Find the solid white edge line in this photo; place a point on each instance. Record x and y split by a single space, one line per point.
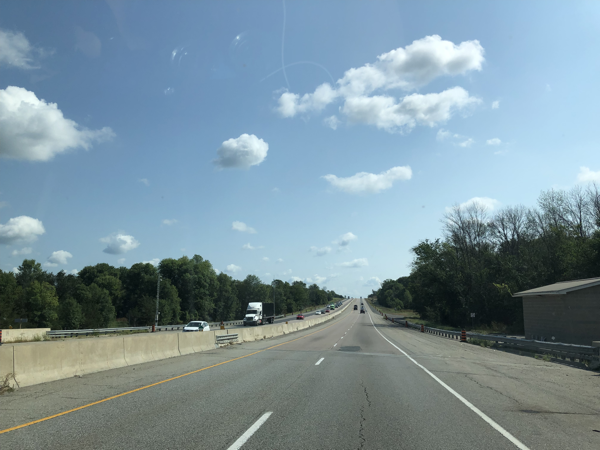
319 361
335 344
472 407
244 437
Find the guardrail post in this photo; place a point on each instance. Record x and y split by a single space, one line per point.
0 337
422 328
153 328
406 323
463 336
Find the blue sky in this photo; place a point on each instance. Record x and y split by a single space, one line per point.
135 131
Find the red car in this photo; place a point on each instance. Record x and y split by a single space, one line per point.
300 317
327 310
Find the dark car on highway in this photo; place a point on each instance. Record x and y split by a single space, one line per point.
362 310
355 307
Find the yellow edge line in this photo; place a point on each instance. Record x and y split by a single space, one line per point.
154 384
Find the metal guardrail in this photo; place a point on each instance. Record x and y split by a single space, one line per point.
92 331
98 331
226 338
574 353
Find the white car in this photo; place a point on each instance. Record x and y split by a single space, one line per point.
318 312
196 326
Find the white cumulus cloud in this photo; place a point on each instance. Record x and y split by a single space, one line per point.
279 260
489 203
466 143
320 251
23 251
74 272
241 226
144 181
34 130
291 104
21 229
493 141
118 243
232 268
386 113
249 246
169 221
266 259
403 68
16 51
155 262
345 239
373 281
364 182
241 153
58 257
332 122
586 175
355 263
496 104
121 261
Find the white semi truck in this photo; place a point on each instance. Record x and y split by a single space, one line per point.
259 313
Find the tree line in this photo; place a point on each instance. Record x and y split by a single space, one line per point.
105 296
483 258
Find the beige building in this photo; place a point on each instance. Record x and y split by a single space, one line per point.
567 312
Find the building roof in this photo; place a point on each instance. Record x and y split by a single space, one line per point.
563 287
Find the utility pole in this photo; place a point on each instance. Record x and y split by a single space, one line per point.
273 286
157 296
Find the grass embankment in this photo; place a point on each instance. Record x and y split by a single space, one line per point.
414 317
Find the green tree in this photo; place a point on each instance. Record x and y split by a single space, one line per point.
41 304
10 297
70 315
98 310
226 301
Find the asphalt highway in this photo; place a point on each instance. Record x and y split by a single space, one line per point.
356 382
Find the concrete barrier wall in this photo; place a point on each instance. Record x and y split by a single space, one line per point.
24 335
6 360
40 362
96 355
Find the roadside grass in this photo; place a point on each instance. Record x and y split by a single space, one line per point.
5 386
414 317
481 342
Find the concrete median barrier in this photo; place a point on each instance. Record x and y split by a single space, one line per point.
186 343
40 362
150 347
23 335
204 341
96 355
6 363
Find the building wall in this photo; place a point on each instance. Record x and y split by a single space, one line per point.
572 318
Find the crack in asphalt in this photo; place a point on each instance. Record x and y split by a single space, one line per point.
493 389
361 429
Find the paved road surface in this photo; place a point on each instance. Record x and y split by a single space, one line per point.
356 382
